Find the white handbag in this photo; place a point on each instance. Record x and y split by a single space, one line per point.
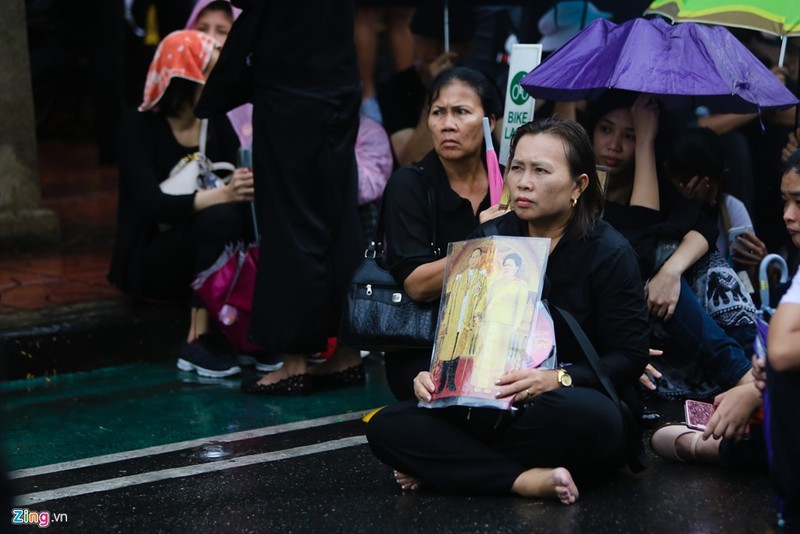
195 171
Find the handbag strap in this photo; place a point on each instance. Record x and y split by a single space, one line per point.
203 136
591 354
636 455
376 246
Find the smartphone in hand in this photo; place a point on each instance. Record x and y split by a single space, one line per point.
736 231
698 414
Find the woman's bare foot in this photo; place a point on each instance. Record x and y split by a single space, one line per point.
407 482
547 483
293 364
341 359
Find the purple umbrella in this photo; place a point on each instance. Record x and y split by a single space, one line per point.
687 64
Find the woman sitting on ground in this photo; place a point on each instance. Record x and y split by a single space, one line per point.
694 163
454 176
783 377
722 441
650 213
561 432
164 240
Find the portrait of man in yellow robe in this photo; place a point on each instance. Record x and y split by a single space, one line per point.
457 330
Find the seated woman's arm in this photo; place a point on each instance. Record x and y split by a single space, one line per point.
664 287
424 284
783 347
408 219
238 189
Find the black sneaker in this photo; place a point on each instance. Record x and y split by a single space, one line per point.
265 362
201 355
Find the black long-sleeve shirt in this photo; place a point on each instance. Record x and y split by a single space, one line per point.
645 228
409 218
148 152
596 278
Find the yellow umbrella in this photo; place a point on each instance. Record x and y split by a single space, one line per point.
778 17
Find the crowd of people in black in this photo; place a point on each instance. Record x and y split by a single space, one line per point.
659 267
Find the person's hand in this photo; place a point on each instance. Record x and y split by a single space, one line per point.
651 372
697 187
748 249
733 409
644 112
240 187
492 212
791 145
423 386
525 384
759 372
662 292
445 61
781 73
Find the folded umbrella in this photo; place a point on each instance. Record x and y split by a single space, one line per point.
760 348
492 165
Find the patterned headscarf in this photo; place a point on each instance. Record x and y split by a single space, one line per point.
181 54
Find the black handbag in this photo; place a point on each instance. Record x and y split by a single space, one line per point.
379 315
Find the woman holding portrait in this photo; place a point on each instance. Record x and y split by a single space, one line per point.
446 190
564 429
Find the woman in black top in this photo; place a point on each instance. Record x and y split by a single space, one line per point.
650 212
453 175
164 240
559 433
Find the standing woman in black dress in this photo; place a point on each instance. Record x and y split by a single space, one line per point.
296 62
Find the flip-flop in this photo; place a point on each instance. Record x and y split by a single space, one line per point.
664 442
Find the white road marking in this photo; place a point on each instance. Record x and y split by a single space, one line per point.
172 447
178 472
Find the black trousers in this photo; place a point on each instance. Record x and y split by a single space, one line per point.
175 257
784 398
307 203
401 369
483 450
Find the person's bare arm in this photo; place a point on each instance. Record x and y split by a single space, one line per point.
239 189
565 110
791 145
664 287
783 346
645 178
412 144
424 284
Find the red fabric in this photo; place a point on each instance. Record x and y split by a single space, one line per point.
181 54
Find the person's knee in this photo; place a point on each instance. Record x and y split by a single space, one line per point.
223 221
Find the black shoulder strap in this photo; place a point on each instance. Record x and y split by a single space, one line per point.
590 352
637 457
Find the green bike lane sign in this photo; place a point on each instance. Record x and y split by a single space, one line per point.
519 104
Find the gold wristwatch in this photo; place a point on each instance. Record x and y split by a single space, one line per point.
564 380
